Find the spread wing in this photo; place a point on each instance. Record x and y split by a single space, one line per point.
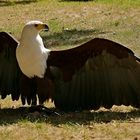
9 70
97 73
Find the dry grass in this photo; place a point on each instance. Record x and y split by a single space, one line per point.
119 123
72 23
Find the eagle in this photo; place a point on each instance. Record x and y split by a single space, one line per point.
98 73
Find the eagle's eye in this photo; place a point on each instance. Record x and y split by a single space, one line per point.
36 25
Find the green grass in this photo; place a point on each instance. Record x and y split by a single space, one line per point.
123 3
72 23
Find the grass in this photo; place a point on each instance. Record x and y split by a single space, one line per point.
72 23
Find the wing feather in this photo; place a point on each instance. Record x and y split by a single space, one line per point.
97 73
9 70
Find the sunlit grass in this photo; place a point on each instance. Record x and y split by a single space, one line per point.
123 3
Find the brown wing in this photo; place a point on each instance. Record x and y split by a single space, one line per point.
9 70
97 73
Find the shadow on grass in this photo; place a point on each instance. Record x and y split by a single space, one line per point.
12 116
71 37
10 3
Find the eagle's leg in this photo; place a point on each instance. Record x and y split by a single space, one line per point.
28 91
44 91
29 88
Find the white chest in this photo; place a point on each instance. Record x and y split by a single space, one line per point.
32 58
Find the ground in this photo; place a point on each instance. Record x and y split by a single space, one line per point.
72 23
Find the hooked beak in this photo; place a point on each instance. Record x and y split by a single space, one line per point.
43 26
46 27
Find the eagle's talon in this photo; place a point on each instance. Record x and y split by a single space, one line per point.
42 109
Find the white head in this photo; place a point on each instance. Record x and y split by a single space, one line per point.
34 27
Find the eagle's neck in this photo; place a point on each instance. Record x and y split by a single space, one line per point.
31 39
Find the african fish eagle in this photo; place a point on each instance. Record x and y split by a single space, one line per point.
97 73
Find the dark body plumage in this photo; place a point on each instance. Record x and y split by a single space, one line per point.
94 74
